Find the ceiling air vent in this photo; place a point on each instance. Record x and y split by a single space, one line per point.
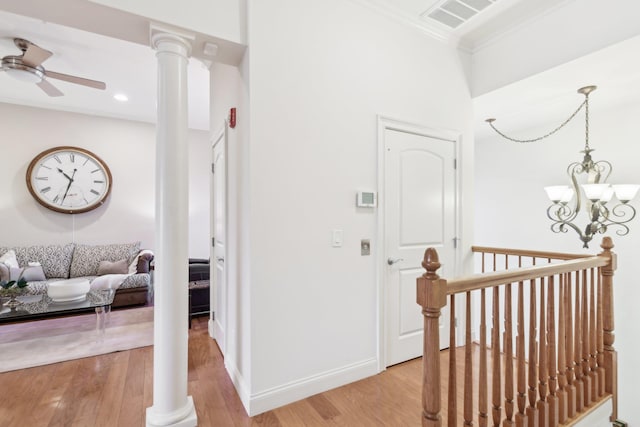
452 13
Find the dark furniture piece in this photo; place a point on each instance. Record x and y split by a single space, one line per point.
198 287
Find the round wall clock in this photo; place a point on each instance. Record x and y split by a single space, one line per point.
69 180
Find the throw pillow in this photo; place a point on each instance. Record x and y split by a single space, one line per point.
30 274
108 267
86 258
9 259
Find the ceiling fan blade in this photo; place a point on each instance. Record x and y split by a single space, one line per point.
48 88
35 55
74 79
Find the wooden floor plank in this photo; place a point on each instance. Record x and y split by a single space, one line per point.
132 409
117 388
45 402
110 402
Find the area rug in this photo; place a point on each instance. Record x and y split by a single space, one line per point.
42 342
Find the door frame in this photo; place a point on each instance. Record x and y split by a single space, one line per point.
389 123
220 137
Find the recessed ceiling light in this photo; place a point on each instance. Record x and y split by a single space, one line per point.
121 97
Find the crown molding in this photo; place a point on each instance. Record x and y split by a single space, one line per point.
525 18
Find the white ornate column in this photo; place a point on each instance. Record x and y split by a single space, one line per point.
171 404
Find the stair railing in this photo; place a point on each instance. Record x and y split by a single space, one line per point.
550 365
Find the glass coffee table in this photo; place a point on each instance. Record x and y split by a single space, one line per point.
42 306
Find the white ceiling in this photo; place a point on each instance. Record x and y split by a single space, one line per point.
131 68
125 67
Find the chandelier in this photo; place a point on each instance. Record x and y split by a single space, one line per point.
567 200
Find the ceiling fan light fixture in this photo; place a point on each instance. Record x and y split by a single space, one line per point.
24 76
28 68
15 68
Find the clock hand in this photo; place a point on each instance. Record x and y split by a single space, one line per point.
65 175
68 185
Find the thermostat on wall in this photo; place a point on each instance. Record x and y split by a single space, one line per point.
366 199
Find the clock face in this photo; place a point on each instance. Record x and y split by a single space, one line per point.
68 180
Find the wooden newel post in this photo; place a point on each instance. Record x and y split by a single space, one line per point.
610 354
432 296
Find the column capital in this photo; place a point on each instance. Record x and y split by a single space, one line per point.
167 39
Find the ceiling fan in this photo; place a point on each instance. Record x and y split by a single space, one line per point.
27 67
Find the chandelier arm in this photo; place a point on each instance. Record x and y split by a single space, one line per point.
624 231
562 213
619 211
573 170
563 124
604 220
562 216
561 227
603 166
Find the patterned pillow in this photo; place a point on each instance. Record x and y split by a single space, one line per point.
55 259
86 258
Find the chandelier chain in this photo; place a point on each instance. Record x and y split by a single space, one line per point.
585 103
586 123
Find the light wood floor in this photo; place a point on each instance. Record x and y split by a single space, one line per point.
115 390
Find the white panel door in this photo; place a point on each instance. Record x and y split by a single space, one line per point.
218 283
419 212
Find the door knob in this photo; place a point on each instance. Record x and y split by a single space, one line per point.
392 261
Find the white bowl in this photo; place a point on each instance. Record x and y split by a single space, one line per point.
68 290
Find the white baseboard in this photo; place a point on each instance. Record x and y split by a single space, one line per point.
238 382
210 328
218 335
305 387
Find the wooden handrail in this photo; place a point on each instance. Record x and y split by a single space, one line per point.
527 253
495 278
569 363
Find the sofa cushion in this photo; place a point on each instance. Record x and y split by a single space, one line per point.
116 267
139 280
54 259
86 258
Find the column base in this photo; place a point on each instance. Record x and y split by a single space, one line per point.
189 419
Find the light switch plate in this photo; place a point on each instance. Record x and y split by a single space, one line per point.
336 238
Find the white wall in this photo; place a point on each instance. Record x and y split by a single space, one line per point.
229 89
127 147
511 211
569 31
320 72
